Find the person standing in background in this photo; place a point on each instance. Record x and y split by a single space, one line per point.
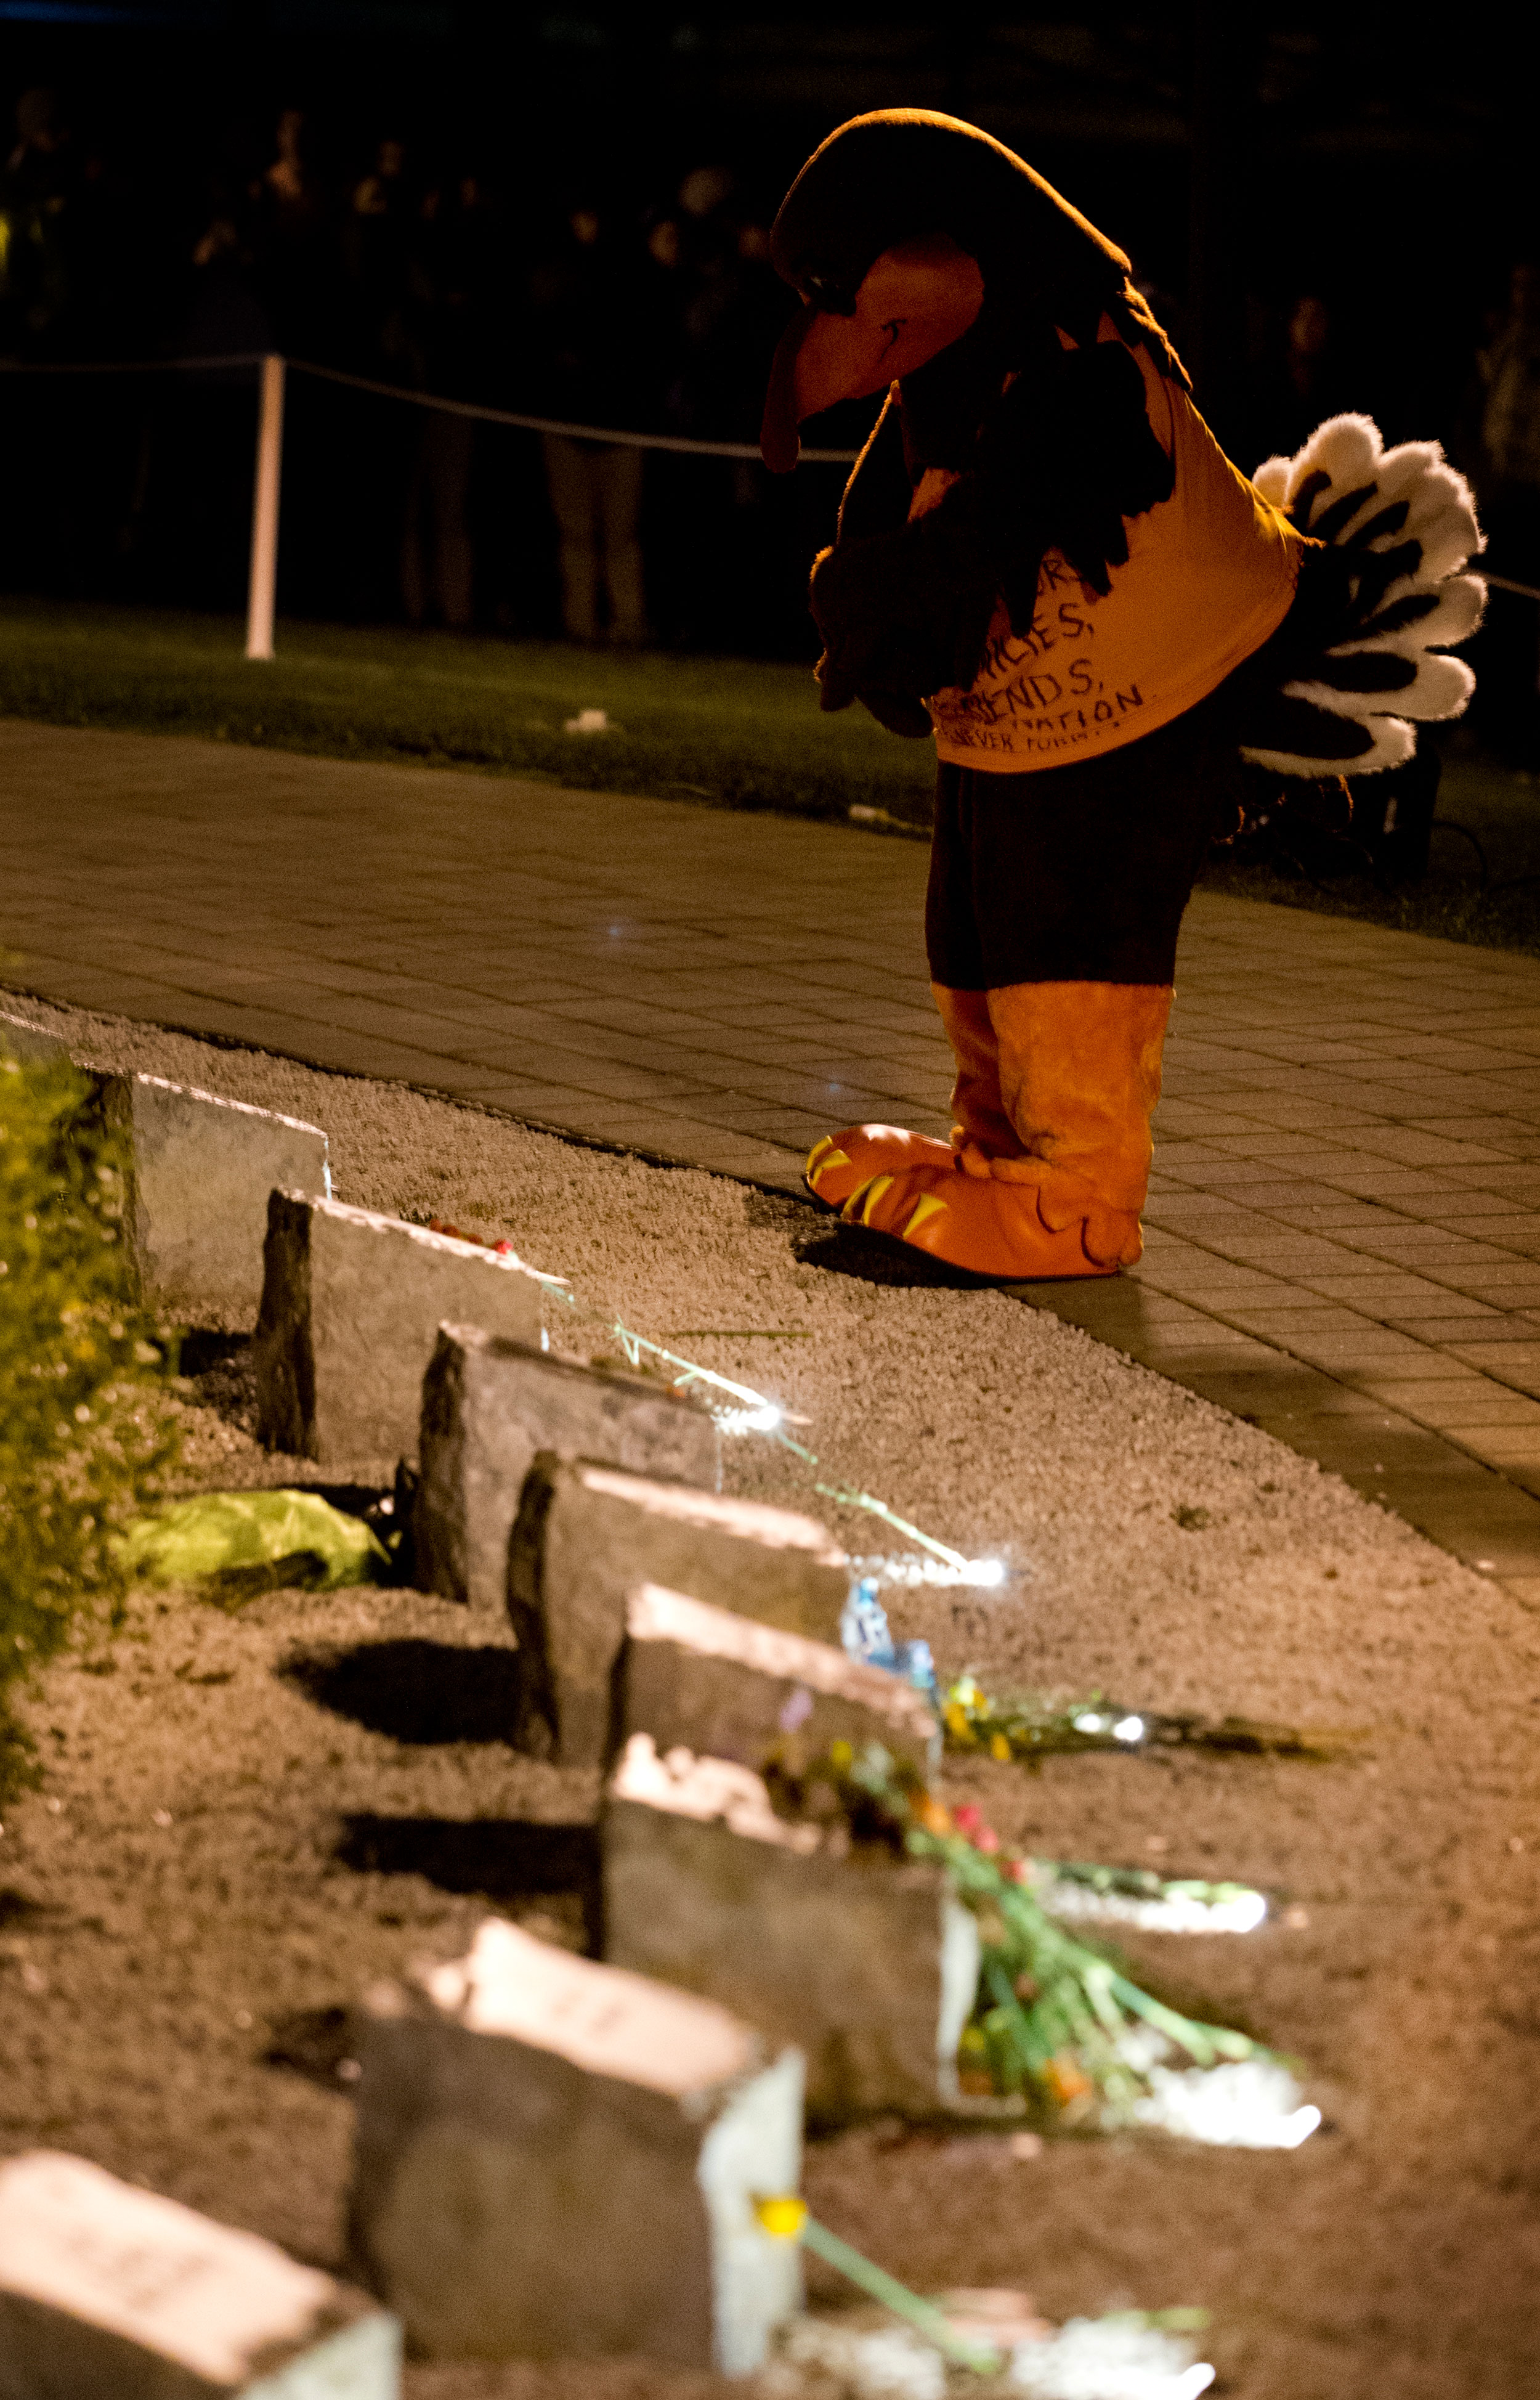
1505 470
289 233
450 281
379 233
1299 385
49 423
40 208
586 307
377 239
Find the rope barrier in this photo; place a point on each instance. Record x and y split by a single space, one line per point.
616 436
128 366
611 434
1503 583
275 368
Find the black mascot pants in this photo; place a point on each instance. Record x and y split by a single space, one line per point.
1075 873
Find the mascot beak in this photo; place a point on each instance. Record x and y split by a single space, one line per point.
914 301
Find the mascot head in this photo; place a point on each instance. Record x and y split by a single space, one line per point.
907 231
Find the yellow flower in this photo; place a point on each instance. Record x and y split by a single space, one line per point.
782 2215
1066 2079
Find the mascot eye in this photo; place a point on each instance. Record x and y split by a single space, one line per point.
892 329
827 292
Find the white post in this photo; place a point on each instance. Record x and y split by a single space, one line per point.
269 472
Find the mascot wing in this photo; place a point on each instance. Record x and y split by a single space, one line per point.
1363 647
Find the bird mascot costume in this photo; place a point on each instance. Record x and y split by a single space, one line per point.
1044 559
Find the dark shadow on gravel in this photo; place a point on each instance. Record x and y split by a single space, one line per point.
412 1690
222 1370
353 1499
204 1351
506 1862
785 1210
19 1908
881 1259
498 1859
314 2043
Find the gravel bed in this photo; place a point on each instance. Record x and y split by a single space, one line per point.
244 1817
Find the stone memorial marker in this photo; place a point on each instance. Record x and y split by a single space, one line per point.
586 1536
554 2157
708 1680
31 1044
199 1172
351 1305
111 2292
489 1405
867 1961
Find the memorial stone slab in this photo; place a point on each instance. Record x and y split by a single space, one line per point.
554 2157
867 1960
199 1172
489 1405
351 1305
702 1677
586 1536
111 2292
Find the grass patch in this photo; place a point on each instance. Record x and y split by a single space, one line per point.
735 733
1483 879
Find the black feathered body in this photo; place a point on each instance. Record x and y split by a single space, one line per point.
1055 456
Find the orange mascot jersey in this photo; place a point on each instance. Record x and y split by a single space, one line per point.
1211 573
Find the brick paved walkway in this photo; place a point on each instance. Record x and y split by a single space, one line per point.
1343 1233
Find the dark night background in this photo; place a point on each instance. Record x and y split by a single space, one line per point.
1375 162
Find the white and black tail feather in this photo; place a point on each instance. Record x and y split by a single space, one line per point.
1363 648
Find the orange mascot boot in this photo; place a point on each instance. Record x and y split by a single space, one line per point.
846 1163
1049 1162
843 1163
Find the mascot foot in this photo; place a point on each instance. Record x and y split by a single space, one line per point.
991 1227
843 1163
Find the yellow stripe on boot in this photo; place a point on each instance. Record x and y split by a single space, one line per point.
924 1208
843 1164
858 1207
826 1157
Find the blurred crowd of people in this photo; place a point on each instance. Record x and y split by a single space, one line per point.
620 299
587 303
